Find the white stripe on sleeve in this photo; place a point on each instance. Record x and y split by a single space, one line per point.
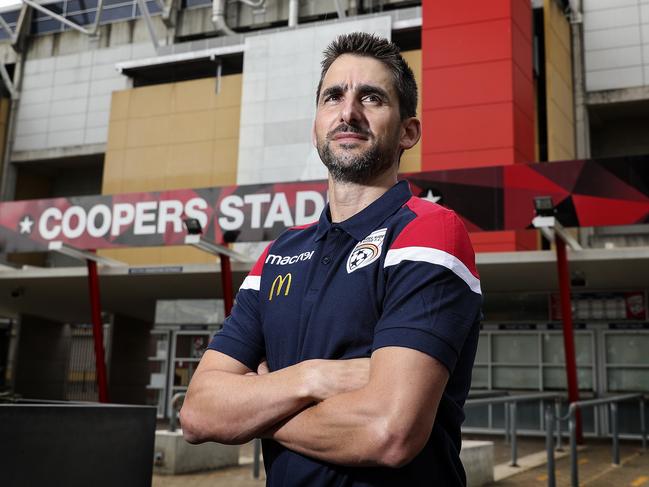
251 282
434 256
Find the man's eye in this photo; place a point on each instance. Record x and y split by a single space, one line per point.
372 98
332 98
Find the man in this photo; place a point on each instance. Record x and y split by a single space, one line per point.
383 275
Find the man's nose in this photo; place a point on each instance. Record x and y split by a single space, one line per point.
351 111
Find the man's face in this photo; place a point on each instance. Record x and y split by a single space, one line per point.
357 125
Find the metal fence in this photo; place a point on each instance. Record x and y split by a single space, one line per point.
612 402
511 418
552 426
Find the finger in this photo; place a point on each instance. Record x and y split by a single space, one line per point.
263 368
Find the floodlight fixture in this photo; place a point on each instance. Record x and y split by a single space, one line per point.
546 221
543 206
193 226
195 238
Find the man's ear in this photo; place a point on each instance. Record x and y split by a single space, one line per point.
410 133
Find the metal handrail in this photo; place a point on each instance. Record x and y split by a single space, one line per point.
511 407
513 399
173 420
612 402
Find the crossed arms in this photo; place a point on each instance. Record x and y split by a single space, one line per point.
360 412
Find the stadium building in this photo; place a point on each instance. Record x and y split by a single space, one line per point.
119 119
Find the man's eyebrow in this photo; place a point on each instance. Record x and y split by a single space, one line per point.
333 90
366 89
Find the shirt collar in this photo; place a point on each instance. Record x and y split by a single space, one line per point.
363 223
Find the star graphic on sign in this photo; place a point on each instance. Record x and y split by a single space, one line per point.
26 225
430 196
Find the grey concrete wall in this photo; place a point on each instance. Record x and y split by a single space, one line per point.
42 358
616 43
280 75
65 100
129 366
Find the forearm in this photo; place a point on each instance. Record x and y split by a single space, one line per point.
387 422
233 408
347 429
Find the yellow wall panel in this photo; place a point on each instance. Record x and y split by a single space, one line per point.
144 169
189 165
172 136
411 159
224 168
149 101
148 131
134 255
117 135
170 255
113 171
229 94
119 105
558 81
226 124
195 95
192 126
180 254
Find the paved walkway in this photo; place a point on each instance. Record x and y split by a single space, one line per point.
595 468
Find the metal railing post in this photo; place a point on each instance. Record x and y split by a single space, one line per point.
557 414
616 440
255 459
549 446
643 424
572 426
507 422
173 420
512 420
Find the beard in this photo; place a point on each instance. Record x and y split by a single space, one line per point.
347 167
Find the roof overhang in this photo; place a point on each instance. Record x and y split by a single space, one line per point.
131 67
603 269
62 293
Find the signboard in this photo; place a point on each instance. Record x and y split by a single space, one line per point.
602 306
585 193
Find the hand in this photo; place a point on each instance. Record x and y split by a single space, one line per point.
328 378
262 368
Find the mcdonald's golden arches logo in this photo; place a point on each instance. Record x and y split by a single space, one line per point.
279 281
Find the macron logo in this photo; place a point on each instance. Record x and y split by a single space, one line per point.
279 260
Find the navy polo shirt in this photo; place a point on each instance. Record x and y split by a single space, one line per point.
399 273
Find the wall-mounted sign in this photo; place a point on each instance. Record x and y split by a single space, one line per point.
585 193
603 306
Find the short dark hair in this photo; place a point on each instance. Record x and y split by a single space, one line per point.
379 48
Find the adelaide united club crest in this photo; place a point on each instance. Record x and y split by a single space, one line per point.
366 251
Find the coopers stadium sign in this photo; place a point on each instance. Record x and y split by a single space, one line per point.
157 217
585 193
245 213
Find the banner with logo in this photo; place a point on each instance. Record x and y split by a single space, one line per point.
585 193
